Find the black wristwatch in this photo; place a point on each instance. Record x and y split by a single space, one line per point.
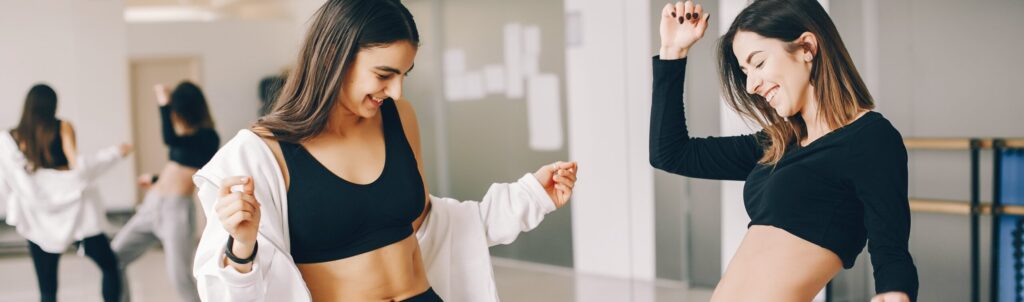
235 259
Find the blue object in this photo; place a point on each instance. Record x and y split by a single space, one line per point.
1011 228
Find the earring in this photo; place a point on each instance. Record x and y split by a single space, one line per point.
808 58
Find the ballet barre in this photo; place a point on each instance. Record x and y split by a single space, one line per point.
973 208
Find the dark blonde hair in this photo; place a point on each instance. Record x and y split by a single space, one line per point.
840 92
339 29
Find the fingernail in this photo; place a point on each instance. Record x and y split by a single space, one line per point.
681 19
673 14
687 16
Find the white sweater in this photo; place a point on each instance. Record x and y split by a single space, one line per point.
53 208
454 238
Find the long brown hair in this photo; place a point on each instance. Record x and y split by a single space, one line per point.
339 29
838 87
38 127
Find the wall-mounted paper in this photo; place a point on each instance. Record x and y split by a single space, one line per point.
531 40
454 61
454 68
531 50
544 114
473 85
453 88
494 79
514 75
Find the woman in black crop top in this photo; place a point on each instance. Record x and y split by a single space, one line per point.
349 148
167 213
825 175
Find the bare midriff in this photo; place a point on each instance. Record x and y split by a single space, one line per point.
391 273
175 180
773 265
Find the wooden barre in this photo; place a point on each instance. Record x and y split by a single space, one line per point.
957 143
959 207
1014 143
940 206
937 143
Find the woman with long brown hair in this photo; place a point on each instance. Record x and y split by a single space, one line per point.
824 175
167 213
329 203
49 195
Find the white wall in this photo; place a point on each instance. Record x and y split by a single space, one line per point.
77 47
83 50
608 88
233 56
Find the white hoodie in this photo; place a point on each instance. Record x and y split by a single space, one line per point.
454 238
53 208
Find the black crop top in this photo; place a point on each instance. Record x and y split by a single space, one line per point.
330 218
60 160
193 150
845 188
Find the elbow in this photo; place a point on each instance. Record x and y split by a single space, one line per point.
658 160
655 162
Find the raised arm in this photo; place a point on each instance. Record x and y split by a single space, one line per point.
671 147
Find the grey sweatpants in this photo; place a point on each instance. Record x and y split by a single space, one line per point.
169 220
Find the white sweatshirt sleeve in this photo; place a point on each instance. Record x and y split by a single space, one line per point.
5 189
96 164
274 276
217 282
513 208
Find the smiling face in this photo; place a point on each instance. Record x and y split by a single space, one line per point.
777 70
376 74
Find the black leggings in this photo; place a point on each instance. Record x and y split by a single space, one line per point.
96 247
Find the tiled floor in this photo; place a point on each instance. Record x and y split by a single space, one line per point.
517 281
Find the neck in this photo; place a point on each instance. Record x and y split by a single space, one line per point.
344 122
816 127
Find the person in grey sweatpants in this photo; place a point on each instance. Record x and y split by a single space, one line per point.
169 220
167 213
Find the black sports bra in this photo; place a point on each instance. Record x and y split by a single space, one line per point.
330 218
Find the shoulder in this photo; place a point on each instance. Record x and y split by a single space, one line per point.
410 123
246 148
405 111
65 126
876 139
876 129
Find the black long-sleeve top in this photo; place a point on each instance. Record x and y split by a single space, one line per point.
845 188
193 150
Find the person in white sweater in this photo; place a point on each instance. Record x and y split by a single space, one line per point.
49 196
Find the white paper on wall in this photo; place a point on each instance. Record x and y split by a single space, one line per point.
531 50
494 79
473 85
454 68
454 61
544 113
514 75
